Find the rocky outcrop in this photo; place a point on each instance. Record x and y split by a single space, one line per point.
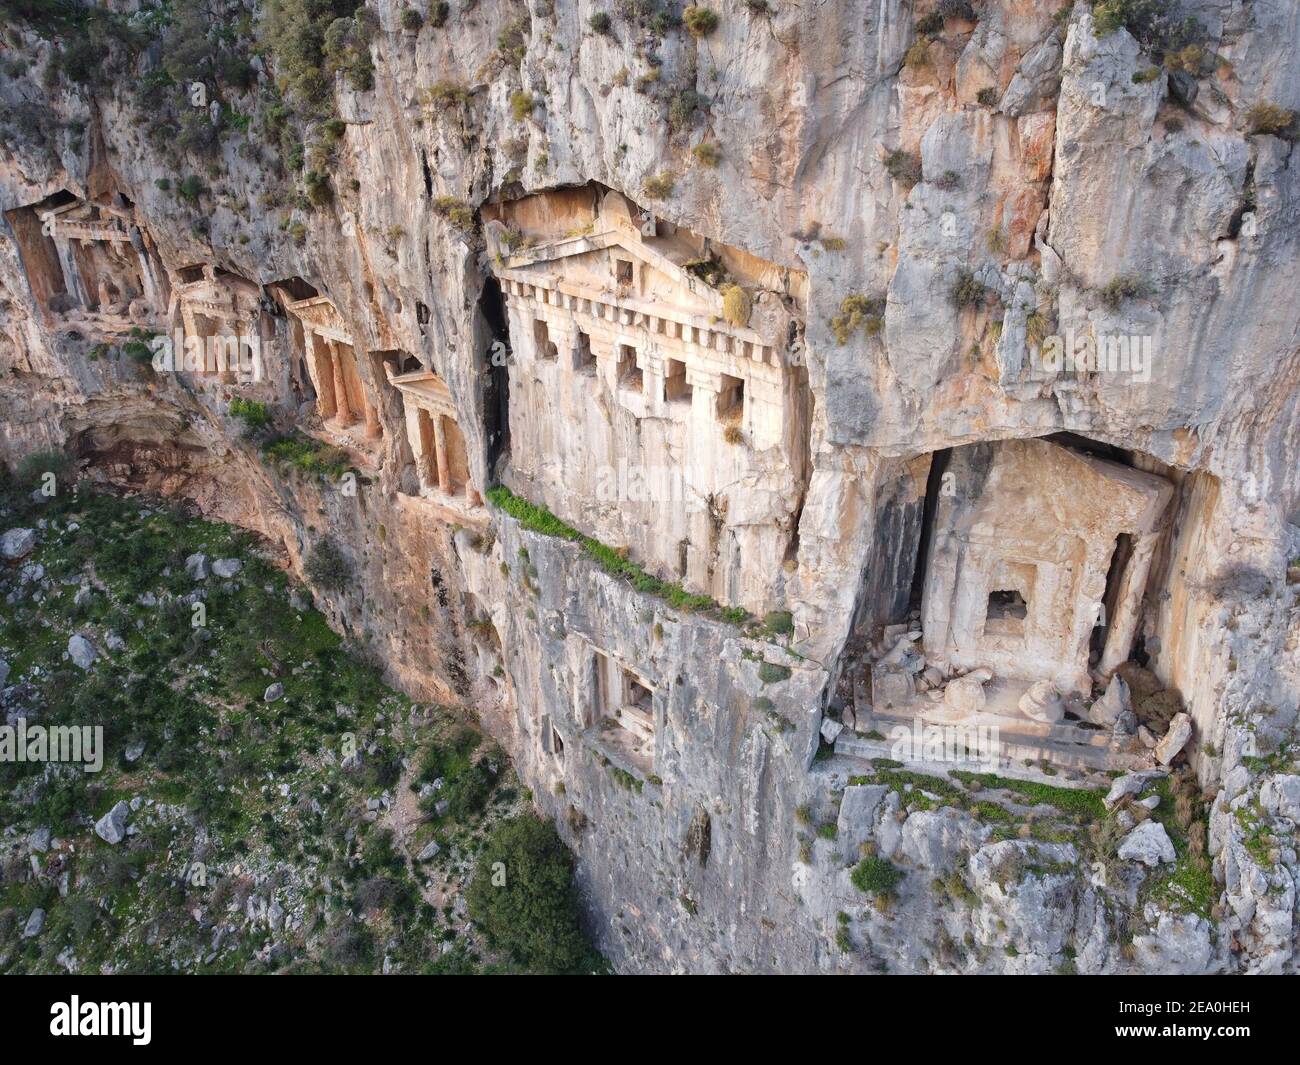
952 216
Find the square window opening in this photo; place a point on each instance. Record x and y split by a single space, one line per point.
676 387
731 400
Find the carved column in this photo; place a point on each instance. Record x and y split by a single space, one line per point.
373 429
1128 607
342 403
440 451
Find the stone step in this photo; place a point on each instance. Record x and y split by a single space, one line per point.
1018 754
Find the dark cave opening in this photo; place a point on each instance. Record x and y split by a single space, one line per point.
496 397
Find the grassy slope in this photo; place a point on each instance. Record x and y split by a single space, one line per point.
255 792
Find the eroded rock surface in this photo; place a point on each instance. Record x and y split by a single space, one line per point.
825 331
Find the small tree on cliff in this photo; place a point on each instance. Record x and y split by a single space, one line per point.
523 898
327 567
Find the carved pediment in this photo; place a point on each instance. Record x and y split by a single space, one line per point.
424 389
322 317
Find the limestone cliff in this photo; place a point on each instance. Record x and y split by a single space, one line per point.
803 269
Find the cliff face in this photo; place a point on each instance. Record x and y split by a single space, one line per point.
931 216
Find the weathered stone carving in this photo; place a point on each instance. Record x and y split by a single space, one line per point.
90 261
341 399
638 410
1035 548
441 460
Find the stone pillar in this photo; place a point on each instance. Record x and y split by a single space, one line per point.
320 366
440 450
1128 607
373 429
342 404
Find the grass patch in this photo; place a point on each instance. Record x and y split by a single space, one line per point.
540 520
1073 800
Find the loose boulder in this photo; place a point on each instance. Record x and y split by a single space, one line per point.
17 543
111 828
965 695
1180 731
1149 844
82 652
225 568
1042 703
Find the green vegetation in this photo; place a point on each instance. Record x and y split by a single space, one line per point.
876 876
252 815
1269 118
255 416
659 186
327 567
137 348
772 672
310 40
778 623
523 897
699 21
903 167
300 452
683 107
457 212
411 20
522 104
707 153
1126 287
737 306
190 189
967 290
541 520
858 312
1085 801
600 23
987 97
446 93
34 466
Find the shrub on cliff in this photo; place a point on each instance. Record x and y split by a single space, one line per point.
659 186
707 153
524 899
875 876
255 416
1269 118
32 468
1115 293
1157 25
903 167
522 104
700 21
967 290
308 40
327 567
737 306
858 312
